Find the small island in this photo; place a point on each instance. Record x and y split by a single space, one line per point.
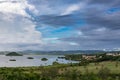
13 54
61 57
12 60
30 58
44 59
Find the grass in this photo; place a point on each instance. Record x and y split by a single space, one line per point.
90 68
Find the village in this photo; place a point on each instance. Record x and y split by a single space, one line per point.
93 57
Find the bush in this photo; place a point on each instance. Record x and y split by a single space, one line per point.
104 73
72 74
55 63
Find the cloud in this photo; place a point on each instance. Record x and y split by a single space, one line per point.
29 24
56 7
15 27
58 21
91 19
15 7
101 29
110 21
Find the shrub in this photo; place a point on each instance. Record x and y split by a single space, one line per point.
104 73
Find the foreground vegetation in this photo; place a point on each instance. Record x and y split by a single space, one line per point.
108 70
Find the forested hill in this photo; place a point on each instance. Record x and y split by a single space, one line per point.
68 52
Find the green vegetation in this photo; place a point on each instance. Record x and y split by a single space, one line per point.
76 57
101 71
44 59
13 54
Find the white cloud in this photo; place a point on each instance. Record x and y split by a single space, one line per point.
21 31
72 8
101 29
17 7
15 28
73 43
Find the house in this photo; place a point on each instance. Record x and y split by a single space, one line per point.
113 54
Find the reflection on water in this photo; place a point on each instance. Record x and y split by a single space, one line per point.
22 61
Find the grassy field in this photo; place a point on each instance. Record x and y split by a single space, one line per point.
92 67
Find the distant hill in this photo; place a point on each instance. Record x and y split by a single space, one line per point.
64 52
13 54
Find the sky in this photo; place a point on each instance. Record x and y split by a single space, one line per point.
59 25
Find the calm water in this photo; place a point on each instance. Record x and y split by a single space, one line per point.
22 61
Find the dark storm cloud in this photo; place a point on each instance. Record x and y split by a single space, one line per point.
101 1
103 13
111 21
